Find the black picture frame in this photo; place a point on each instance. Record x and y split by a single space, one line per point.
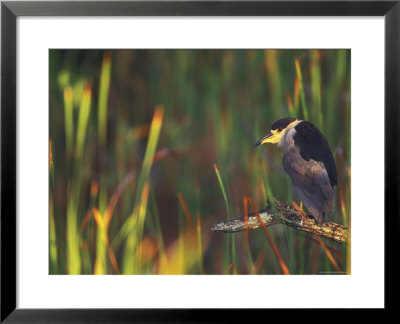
10 10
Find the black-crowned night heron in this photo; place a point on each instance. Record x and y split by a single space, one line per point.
308 161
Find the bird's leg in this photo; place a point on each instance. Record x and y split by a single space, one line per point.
300 210
304 214
322 219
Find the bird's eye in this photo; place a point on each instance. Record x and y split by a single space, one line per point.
279 130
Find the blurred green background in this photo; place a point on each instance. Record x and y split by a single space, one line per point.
149 148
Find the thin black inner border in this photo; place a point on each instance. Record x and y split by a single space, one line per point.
11 10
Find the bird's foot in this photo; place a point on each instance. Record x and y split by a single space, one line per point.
320 219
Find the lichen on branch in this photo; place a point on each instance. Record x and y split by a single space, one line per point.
283 213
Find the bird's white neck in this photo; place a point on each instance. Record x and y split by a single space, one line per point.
287 141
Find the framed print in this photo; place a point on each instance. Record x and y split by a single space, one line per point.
188 155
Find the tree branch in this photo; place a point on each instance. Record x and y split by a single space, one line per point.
283 213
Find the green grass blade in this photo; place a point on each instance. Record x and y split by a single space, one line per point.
84 112
221 185
100 266
302 94
315 67
228 210
68 120
140 205
103 98
200 246
273 76
53 249
73 238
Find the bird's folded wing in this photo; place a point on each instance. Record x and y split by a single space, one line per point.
321 179
308 175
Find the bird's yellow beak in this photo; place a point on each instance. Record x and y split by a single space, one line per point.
273 137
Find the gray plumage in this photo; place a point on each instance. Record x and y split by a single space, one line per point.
308 161
306 152
311 182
